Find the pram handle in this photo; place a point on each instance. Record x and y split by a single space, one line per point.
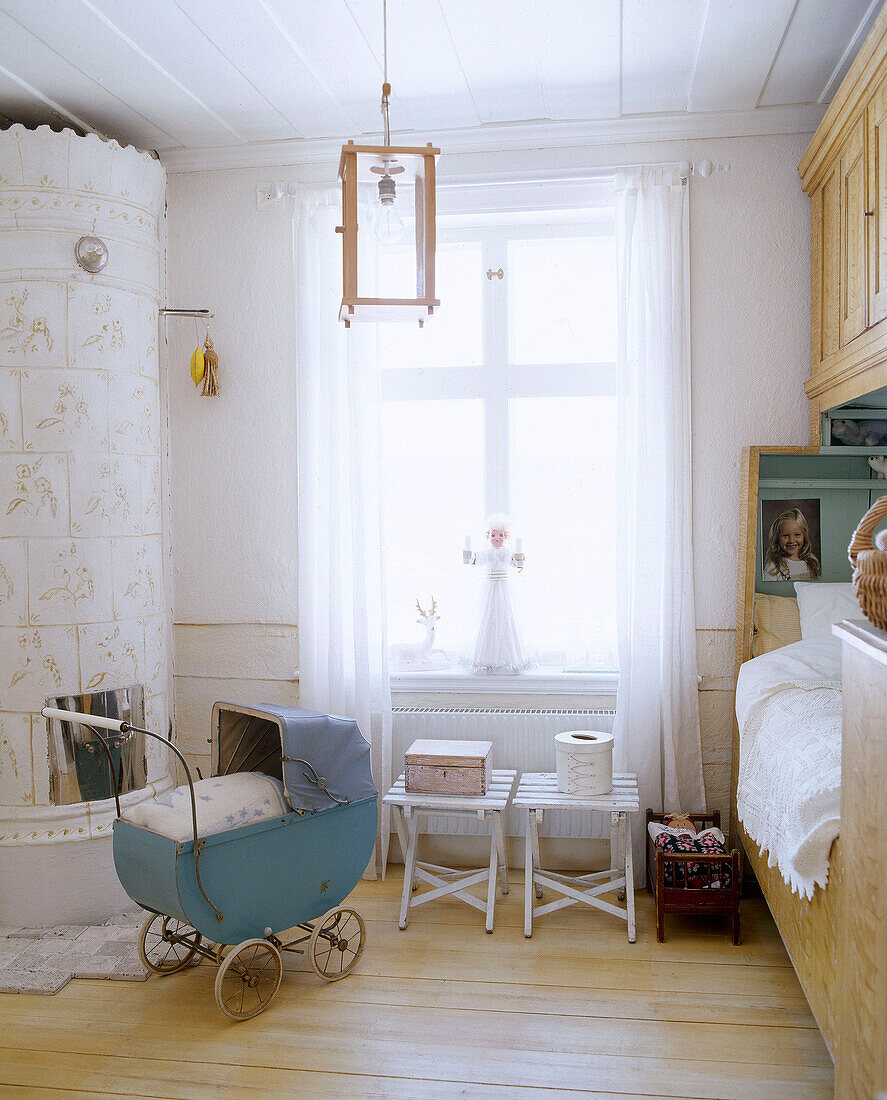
118 726
81 719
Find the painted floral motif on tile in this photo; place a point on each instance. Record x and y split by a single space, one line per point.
13 582
16 787
99 321
65 410
112 655
107 332
44 157
156 654
151 499
134 405
24 331
157 720
89 166
33 494
32 324
11 158
105 495
10 410
137 576
70 581
40 759
40 662
148 336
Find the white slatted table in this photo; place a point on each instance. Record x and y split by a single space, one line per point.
409 807
537 793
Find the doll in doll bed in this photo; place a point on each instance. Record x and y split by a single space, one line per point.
788 709
679 834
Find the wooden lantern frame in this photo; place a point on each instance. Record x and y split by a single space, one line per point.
358 307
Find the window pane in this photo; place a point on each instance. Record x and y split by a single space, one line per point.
452 337
433 495
562 300
564 507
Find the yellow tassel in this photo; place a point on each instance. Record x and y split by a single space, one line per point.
197 367
211 378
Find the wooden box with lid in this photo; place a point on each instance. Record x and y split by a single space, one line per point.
448 767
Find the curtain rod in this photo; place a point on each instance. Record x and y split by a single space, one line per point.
703 168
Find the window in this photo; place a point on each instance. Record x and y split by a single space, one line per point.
506 402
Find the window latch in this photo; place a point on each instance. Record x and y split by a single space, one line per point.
491 274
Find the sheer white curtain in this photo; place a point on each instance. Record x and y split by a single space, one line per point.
343 644
657 709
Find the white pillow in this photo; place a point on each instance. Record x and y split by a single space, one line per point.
820 604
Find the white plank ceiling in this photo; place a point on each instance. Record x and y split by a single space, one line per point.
188 74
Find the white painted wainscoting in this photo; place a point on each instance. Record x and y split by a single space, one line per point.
523 738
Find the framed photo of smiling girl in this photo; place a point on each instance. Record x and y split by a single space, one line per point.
792 542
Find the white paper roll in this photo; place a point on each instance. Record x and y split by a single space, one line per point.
584 762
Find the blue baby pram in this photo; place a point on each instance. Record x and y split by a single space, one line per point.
229 894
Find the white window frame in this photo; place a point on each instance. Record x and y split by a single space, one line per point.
495 382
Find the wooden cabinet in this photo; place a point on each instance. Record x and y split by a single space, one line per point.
853 265
844 170
876 208
825 215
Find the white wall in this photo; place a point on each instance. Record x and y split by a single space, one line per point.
233 459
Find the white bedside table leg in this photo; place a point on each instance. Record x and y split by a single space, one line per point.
494 873
629 879
409 870
537 858
503 852
528 876
618 820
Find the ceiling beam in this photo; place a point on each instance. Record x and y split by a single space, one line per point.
539 135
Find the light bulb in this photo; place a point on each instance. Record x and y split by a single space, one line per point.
388 224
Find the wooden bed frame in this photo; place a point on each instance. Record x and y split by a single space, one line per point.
814 931
808 928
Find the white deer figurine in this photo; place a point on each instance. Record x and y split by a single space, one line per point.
409 656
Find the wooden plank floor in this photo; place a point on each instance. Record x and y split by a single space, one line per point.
443 1010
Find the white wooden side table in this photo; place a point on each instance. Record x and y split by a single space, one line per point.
410 806
537 793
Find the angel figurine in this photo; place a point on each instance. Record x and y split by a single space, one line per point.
499 649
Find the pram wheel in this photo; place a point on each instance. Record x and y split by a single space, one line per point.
167 944
248 979
336 943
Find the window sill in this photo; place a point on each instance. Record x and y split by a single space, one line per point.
548 681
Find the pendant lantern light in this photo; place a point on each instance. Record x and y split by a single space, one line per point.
388 196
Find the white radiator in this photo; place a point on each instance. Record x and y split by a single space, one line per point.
522 739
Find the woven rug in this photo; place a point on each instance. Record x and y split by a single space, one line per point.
44 960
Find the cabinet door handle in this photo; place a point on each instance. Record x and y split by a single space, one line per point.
869 213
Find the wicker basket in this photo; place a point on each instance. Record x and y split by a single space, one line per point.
869 563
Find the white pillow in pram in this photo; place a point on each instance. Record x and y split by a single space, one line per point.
223 802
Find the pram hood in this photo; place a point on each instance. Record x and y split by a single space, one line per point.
338 753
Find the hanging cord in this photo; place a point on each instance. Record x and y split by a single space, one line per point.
386 87
385 40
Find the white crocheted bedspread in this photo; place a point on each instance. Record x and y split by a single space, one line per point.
224 802
788 704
